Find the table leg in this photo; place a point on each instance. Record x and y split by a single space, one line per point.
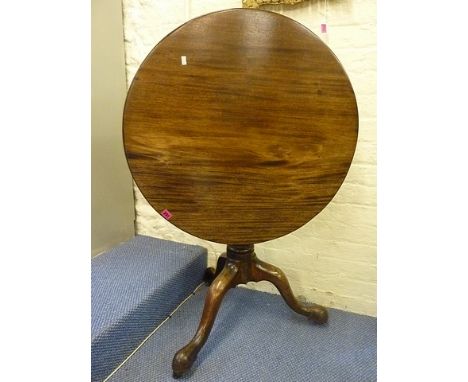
212 273
264 271
186 356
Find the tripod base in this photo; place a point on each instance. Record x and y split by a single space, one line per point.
238 266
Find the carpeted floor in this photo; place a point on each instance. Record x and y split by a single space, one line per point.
256 337
134 287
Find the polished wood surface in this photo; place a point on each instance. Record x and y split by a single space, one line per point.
251 138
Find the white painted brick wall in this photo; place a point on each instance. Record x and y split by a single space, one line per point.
332 259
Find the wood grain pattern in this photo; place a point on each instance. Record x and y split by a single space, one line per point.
252 138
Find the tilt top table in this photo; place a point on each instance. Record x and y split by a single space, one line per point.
240 127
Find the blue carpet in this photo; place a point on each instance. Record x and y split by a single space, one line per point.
256 337
134 287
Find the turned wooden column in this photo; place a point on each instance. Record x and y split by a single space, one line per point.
240 127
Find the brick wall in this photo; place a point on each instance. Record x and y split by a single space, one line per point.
332 259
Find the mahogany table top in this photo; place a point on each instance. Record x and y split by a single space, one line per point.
240 126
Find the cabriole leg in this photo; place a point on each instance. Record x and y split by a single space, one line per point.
186 356
264 271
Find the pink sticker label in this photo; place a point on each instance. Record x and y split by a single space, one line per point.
166 214
323 28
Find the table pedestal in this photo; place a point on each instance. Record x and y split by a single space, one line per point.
238 266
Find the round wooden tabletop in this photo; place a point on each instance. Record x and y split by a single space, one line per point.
240 126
